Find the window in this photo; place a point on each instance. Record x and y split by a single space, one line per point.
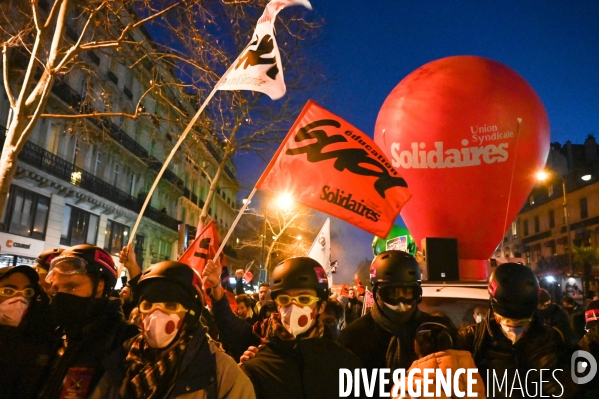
115 174
26 213
550 190
115 236
551 219
51 143
76 151
584 211
514 229
531 199
98 164
78 227
132 182
552 248
525 228
536 221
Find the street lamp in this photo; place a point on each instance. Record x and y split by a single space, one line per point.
542 176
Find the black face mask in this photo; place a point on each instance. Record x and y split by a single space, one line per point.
71 311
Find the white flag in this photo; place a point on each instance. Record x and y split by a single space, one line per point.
258 67
320 250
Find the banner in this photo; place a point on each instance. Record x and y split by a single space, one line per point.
259 67
204 247
320 250
327 164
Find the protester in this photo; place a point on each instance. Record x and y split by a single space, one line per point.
297 361
128 302
264 292
512 339
240 285
173 357
81 278
575 315
552 315
590 343
261 325
333 319
479 313
42 265
244 309
437 346
354 306
28 341
384 338
235 334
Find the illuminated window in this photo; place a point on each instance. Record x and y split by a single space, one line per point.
26 213
78 227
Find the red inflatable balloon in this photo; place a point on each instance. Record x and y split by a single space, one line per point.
248 277
468 134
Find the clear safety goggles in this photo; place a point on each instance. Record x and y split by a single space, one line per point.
66 265
166 307
304 300
8 292
506 321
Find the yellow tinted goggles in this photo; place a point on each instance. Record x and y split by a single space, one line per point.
304 300
8 292
166 307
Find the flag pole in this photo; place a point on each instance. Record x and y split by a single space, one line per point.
241 212
170 157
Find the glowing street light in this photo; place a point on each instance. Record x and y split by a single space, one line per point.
586 177
284 201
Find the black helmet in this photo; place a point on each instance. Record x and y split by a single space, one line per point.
514 291
44 259
395 267
183 278
299 272
98 263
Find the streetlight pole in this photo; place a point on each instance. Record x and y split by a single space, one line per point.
567 220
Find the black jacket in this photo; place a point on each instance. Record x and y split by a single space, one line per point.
541 347
369 342
554 316
82 358
26 351
302 369
235 334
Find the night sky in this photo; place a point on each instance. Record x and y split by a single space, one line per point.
367 47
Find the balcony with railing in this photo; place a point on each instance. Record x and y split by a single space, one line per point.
38 157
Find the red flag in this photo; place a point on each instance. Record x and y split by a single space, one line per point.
327 164
204 247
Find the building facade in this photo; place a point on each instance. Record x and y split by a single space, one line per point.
85 180
539 235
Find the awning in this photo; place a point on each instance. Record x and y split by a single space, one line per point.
562 240
549 243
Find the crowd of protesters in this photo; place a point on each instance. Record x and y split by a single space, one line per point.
65 333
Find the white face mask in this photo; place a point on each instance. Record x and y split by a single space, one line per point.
297 319
160 328
512 329
12 311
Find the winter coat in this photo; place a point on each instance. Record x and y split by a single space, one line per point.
236 334
590 343
301 369
26 351
205 372
541 347
80 366
369 341
554 316
449 359
353 310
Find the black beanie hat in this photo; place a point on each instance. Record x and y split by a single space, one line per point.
167 291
